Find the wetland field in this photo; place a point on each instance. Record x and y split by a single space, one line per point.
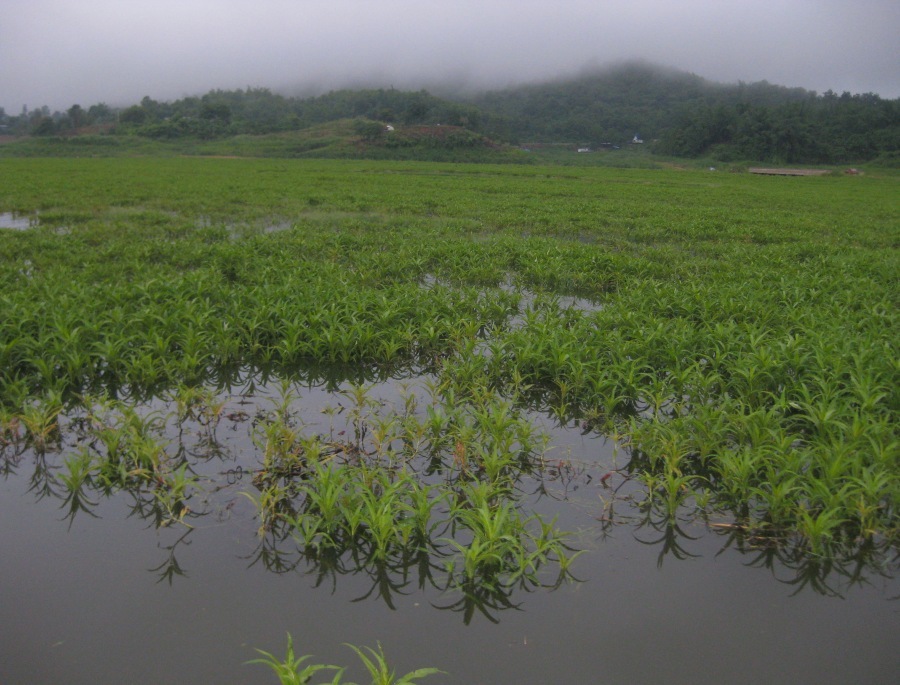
519 424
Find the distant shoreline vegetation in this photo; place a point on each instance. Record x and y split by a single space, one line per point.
678 114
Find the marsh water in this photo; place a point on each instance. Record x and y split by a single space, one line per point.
102 594
18 222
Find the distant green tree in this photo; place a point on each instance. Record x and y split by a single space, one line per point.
133 115
417 108
43 126
77 116
217 112
151 107
368 130
100 113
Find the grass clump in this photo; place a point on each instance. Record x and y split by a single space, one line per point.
291 671
434 493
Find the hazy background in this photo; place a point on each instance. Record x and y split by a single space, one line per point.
62 52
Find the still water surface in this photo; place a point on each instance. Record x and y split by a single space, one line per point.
16 221
88 600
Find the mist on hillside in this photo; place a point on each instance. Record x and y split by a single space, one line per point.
58 53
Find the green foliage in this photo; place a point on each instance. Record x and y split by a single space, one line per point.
824 129
377 666
367 129
289 669
677 113
363 496
257 110
737 334
692 117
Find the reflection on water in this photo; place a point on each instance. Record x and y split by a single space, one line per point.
18 222
215 439
208 541
834 576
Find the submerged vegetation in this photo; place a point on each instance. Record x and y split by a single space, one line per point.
740 338
367 355
402 491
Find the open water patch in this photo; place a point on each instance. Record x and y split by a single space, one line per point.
239 230
527 299
206 585
18 222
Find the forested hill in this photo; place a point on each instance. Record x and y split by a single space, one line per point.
686 115
609 105
674 112
258 110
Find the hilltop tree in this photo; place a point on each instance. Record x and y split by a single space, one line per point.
100 113
368 130
133 115
77 116
216 112
42 126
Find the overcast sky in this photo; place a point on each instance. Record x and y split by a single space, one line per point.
61 52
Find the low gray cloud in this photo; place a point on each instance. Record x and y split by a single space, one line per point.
58 52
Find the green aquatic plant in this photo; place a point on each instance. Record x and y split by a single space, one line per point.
369 502
273 505
291 670
75 478
500 546
736 314
376 664
172 492
124 450
41 422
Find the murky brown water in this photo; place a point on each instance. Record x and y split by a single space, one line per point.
108 598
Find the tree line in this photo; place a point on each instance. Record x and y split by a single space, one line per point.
684 115
677 113
819 129
250 111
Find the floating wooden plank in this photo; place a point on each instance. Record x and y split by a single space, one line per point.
789 172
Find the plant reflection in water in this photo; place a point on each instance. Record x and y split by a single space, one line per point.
427 492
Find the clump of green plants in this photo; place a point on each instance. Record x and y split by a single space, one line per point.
433 490
291 670
121 449
739 337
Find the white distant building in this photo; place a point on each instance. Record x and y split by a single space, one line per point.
388 128
584 149
637 140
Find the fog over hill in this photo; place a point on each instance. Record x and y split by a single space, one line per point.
57 53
